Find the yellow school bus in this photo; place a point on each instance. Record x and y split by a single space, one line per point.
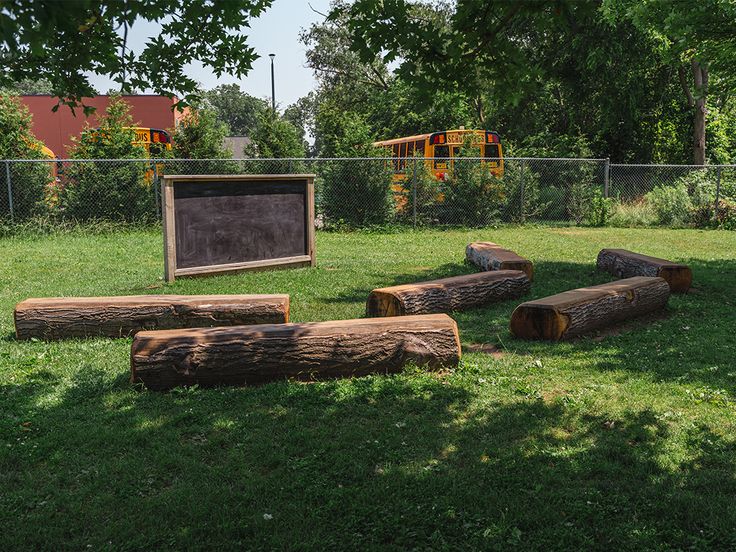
440 149
154 140
444 146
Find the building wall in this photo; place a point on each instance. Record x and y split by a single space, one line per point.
56 130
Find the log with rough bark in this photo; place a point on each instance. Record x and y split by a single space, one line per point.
448 294
579 311
625 264
491 256
245 355
65 317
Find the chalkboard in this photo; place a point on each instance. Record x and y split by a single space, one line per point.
228 223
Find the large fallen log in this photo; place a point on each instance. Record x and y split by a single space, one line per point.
244 355
448 294
583 310
491 256
64 317
625 264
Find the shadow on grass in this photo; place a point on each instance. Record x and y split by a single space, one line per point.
380 462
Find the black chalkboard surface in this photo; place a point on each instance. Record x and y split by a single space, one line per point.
228 223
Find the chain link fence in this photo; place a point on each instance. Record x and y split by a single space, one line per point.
379 191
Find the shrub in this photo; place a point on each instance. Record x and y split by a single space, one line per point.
632 215
356 194
275 138
473 196
29 180
111 190
600 209
420 188
671 204
522 198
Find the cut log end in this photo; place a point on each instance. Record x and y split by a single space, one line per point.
538 323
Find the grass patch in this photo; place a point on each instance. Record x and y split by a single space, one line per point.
623 440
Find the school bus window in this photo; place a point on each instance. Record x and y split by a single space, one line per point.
442 152
491 151
410 149
419 147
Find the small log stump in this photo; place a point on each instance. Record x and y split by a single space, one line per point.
245 355
579 311
625 264
448 294
65 317
491 256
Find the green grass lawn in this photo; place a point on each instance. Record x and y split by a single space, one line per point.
625 440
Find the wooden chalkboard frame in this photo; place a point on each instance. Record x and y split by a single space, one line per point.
168 208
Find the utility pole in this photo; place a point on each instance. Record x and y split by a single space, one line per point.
273 86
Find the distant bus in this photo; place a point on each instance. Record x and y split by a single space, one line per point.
444 146
154 140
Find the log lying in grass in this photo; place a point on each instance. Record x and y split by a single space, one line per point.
490 256
625 264
582 310
64 317
243 355
448 294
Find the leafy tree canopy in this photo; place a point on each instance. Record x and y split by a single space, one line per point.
239 110
64 42
274 137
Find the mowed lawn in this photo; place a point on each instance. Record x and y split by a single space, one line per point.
622 440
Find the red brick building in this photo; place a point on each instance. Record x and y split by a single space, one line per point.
56 130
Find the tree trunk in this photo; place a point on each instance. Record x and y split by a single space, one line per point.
625 264
59 318
579 311
244 355
700 75
490 256
448 294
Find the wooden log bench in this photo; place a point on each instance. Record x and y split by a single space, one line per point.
245 355
448 294
66 317
491 256
579 311
625 264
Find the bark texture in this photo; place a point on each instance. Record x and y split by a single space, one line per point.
490 256
65 317
625 264
448 294
244 355
579 311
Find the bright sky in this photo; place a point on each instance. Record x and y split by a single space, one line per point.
277 32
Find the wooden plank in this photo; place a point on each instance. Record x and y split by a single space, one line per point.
491 256
167 199
625 264
290 262
448 294
65 317
579 311
245 355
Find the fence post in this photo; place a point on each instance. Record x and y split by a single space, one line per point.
10 189
606 175
156 190
414 192
718 194
522 217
